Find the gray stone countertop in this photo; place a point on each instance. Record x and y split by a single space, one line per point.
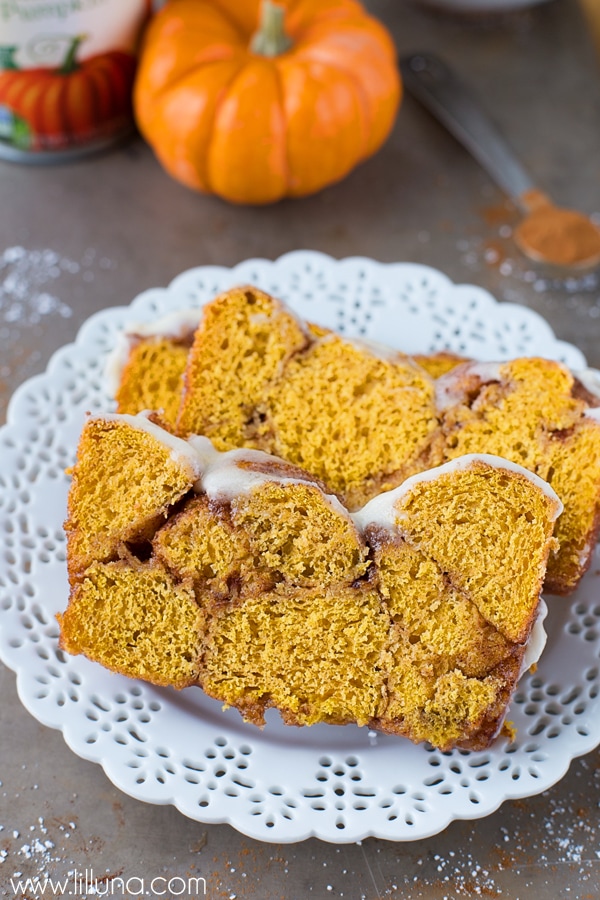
114 225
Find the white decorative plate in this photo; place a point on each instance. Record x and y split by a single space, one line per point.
279 784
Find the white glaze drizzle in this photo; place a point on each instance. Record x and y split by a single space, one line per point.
590 379
177 325
379 351
115 363
449 389
224 479
218 474
381 511
537 639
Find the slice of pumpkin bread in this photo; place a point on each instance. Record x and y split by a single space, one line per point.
459 556
241 346
129 473
574 474
359 417
528 411
135 618
146 368
413 615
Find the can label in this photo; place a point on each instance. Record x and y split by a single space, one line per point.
66 70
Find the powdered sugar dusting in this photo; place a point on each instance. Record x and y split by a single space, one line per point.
27 276
33 286
31 853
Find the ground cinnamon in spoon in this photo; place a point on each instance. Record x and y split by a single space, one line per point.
562 237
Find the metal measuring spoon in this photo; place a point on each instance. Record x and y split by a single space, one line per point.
573 236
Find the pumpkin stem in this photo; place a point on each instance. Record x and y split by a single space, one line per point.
271 39
7 59
70 63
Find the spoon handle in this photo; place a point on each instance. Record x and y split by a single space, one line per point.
443 94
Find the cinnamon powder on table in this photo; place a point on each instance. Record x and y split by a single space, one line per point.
562 237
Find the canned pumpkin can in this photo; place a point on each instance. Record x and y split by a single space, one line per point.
66 75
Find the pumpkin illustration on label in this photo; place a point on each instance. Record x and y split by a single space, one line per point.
78 101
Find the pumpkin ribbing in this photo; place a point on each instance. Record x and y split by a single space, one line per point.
226 119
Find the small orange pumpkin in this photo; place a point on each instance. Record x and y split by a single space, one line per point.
256 111
76 102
